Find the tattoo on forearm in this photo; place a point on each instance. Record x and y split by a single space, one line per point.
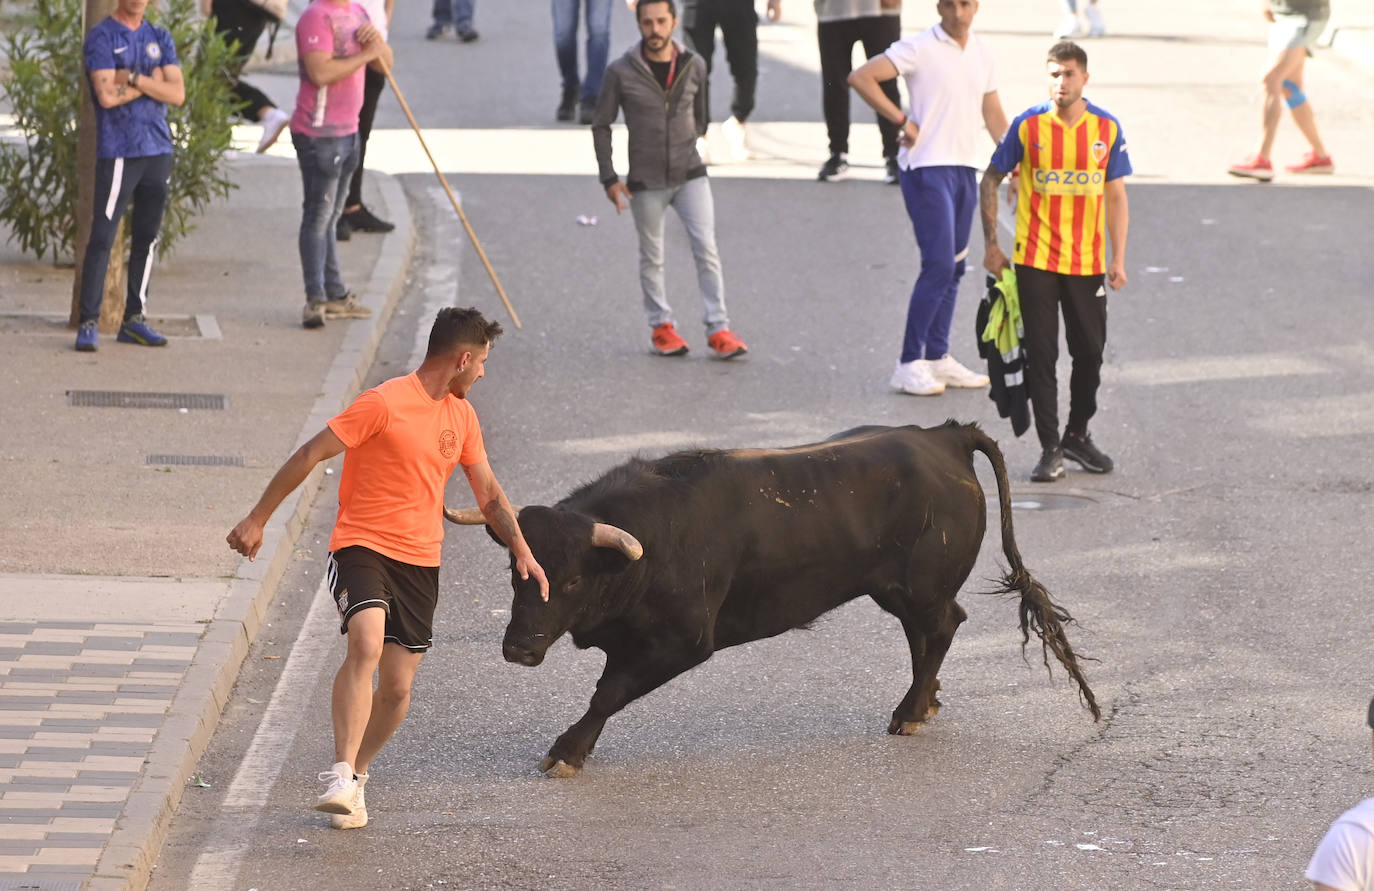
121 91
987 204
501 521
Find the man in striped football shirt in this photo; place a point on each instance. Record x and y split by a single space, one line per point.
1071 201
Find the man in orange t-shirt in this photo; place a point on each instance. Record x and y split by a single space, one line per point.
402 440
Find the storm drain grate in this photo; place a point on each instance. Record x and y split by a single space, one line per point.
40 884
122 399
195 460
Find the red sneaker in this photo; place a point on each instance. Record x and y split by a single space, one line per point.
667 342
1253 167
726 344
1312 163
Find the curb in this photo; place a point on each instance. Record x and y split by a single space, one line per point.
132 851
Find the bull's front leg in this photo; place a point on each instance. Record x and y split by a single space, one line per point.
627 677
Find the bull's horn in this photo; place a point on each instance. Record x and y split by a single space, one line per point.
605 535
470 516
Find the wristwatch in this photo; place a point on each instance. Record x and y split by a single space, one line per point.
133 78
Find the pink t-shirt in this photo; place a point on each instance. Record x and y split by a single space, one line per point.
330 26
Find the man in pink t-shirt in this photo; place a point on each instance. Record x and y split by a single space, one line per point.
334 40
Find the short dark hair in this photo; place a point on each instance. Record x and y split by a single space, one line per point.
460 325
1068 51
672 7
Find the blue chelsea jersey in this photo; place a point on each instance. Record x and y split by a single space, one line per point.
137 129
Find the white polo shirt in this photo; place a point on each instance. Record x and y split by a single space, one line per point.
946 84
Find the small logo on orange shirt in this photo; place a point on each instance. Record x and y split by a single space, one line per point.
1099 151
448 443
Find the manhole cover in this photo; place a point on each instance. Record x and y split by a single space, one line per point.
1049 501
122 399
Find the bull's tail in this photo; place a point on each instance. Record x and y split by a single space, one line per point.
1038 612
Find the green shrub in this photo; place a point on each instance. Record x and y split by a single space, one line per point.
38 181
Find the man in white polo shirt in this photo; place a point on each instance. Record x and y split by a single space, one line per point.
949 79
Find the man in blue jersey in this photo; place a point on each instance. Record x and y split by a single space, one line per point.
134 76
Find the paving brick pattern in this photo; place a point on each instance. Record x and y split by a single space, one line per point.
80 703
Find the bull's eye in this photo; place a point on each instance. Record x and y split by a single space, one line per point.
572 583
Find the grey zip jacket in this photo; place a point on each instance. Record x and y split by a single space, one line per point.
663 125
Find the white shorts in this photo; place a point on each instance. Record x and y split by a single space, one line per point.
1294 32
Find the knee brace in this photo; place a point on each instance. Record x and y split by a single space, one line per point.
1295 95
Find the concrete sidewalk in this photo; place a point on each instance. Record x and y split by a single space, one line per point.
124 616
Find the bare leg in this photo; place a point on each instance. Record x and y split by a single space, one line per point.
1305 117
390 702
1288 63
352 699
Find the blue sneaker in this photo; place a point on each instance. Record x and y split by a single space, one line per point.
87 338
136 330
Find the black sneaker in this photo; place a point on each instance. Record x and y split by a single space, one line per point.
467 35
343 230
587 113
835 169
567 106
893 176
1079 447
437 30
364 220
1050 467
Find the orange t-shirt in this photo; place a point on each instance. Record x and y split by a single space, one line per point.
402 447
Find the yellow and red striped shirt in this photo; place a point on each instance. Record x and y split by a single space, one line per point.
1060 210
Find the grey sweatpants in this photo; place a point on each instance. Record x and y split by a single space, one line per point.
695 207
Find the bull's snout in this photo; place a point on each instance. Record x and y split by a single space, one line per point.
521 654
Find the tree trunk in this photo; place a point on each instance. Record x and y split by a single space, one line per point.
117 275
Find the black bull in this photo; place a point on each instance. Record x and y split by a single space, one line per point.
661 563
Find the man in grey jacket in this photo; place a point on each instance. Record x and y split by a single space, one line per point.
662 89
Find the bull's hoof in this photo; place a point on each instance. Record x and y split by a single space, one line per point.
905 728
557 768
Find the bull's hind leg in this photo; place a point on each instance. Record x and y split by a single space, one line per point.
929 633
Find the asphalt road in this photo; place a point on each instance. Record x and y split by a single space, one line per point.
1218 575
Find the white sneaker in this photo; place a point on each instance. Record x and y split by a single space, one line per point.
915 378
703 150
951 371
273 123
733 131
338 796
357 819
1096 26
1069 27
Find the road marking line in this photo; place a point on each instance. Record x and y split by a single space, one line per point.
218 866
441 277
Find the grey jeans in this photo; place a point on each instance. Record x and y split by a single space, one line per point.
695 207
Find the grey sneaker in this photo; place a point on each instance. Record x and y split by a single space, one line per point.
346 307
357 819
313 316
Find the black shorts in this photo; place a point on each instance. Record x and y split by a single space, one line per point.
360 578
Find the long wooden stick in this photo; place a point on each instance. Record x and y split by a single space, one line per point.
454 199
